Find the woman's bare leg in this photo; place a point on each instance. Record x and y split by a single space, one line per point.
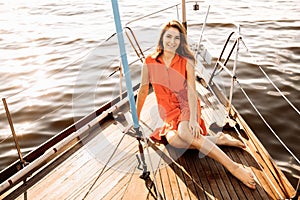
176 141
224 139
218 139
185 139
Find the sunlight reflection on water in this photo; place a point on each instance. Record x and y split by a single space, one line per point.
44 44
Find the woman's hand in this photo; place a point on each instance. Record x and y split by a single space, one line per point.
195 128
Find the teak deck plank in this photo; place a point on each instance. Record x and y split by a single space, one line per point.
197 178
118 191
189 181
167 188
262 192
159 183
173 182
211 179
110 177
248 192
71 172
209 111
243 187
202 176
218 177
136 188
178 174
246 158
230 190
257 169
276 181
183 188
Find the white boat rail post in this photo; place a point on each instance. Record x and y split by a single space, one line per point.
233 79
196 6
146 174
138 52
223 64
23 163
13 132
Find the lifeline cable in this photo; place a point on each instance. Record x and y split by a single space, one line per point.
260 115
266 123
240 136
100 174
283 96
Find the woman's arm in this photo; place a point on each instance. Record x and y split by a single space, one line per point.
192 98
143 90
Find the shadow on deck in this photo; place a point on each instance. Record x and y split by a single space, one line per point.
192 177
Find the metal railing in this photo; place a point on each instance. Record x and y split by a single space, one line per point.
234 48
221 66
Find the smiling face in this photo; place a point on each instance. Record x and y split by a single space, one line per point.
171 40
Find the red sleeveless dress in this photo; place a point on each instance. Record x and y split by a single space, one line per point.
170 87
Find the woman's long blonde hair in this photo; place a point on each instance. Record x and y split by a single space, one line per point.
183 49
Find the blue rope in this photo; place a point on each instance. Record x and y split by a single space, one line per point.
125 63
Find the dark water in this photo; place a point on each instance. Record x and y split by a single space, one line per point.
48 46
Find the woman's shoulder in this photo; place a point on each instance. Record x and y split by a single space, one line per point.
151 58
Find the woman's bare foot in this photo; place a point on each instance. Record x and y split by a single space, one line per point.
227 140
244 174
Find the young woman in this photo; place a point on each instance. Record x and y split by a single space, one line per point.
170 70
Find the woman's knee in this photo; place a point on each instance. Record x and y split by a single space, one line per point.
175 141
170 136
184 132
183 128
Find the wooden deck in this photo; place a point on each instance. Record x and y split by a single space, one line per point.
103 165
